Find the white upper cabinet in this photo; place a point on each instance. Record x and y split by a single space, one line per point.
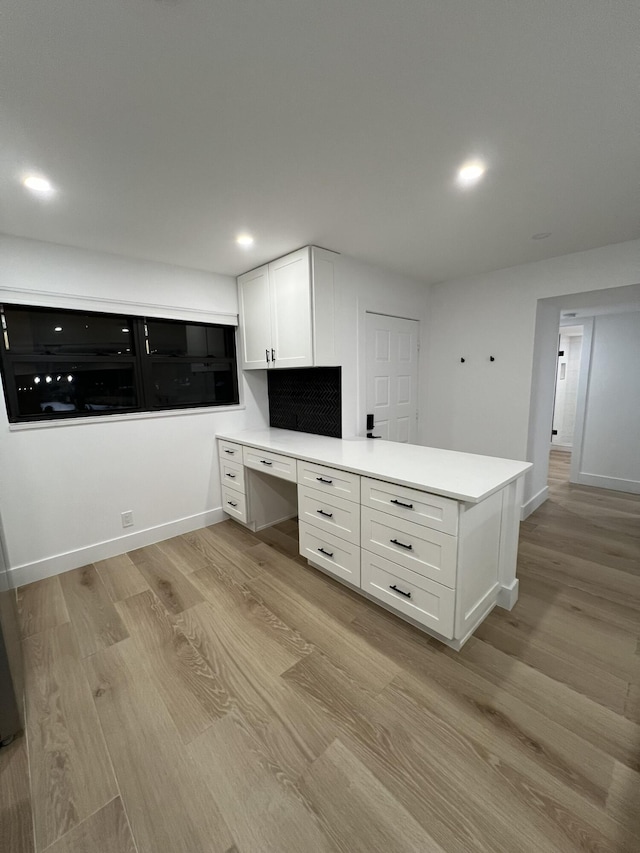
287 312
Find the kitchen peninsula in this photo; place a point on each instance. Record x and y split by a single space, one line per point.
429 534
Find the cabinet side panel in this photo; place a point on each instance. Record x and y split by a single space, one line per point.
478 554
324 309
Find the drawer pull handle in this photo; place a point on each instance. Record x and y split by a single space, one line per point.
322 480
399 503
230 451
401 544
233 476
231 503
401 592
264 462
326 553
326 514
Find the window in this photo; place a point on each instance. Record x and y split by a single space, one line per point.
60 364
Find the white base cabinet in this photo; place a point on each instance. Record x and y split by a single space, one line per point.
287 312
434 561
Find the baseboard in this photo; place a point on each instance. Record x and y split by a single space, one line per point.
615 483
508 595
533 503
30 572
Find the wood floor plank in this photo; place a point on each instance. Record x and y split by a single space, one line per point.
95 620
16 827
71 775
599 685
544 562
456 815
162 790
227 594
183 554
315 587
291 731
171 586
245 783
105 831
326 632
610 732
41 605
190 690
356 811
121 577
218 550
537 779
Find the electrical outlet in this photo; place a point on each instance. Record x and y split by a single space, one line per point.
127 519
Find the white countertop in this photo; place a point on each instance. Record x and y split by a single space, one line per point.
463 476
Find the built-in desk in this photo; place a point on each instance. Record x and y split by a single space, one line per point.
429 534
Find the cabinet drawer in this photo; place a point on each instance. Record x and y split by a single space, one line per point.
427 552
329 480
425 601
431 510
232 474
234 503
335 555
330 513
270 463
229 450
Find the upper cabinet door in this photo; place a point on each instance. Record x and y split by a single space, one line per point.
255 318
291 319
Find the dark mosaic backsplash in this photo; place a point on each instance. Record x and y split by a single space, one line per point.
307 399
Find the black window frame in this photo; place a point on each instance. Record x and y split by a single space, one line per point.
140 359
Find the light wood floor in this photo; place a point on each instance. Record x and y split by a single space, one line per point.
212 693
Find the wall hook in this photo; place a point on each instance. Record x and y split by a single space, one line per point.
462 360
491 358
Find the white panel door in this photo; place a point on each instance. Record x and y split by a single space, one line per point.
291 325
392 377
255 318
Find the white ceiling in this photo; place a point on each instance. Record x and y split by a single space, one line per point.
170 125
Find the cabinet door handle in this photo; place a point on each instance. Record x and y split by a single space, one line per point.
266 353
230 451
322 480
326 514
264 462
400 592
233 476
273 355
399 503
401 544
231 503
326 553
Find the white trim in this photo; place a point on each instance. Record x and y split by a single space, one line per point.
58 299
533 503
129 416
581 402
615 483
55 565
508 595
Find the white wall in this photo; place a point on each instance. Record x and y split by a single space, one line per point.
484 407
363 288
63 487
610 455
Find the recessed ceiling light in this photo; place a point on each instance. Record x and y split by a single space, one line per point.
39 185
58 329
542 235
470 173
125 329
244 240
